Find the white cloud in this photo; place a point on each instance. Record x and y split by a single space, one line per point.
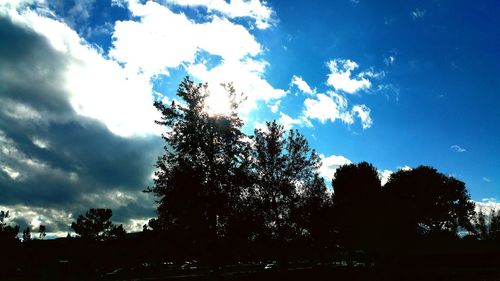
405 168
457 148
384 176
151 44
363 112
333 106
275 106
327 107
330 164
161 39
255 9
13 174
302 85
418 13
486 205
57 221
485 179
41 143
260 126
340 76
247 76
288 121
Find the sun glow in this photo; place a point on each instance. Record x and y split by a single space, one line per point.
217 102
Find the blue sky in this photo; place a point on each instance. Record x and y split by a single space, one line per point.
394 83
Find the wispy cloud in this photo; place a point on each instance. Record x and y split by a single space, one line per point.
288 122
255 9
457 148
485 179
418 13
389 60
363 112
302 85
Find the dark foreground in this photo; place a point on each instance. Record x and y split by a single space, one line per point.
362 274
340 273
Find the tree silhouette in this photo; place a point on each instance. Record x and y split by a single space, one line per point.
314 217
486 226
200 177
357 191
283 165
423 201
97 226
27 234
42 229
7 231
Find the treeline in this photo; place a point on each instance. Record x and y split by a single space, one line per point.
225 197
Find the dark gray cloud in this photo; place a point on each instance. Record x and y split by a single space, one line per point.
53 161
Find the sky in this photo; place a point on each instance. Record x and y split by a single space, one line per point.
395 83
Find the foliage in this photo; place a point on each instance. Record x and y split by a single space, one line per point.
27 234
42 231
486 226
7 231
97 226
217 188
284 166
424 201
201 176
314 217
357 194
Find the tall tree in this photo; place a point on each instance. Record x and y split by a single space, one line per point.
357 190
96 225
422 201
200 177
283 164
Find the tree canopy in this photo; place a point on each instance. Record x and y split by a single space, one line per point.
357 194
424 201
96 225
218 188
202 173
7 231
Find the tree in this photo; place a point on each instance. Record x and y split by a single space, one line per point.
97 226
422 201
7 231
42 229
314 216
283 165
486 226
27 234
356 198
200 177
